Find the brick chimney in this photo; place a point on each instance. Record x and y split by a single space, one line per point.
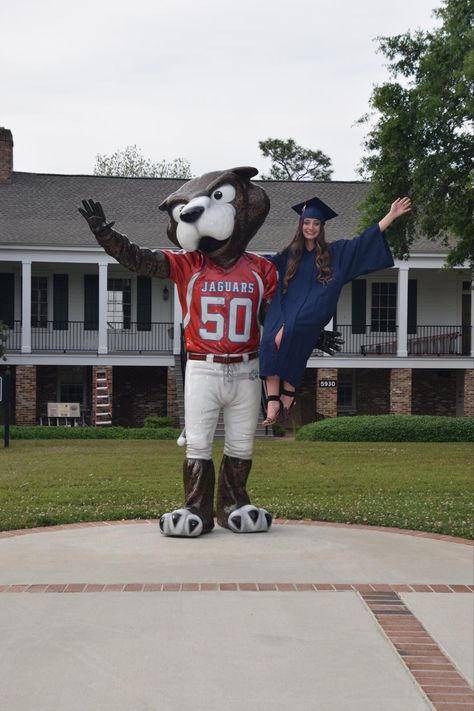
6 155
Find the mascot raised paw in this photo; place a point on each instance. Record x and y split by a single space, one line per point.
223 291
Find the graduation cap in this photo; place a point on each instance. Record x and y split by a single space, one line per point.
314 208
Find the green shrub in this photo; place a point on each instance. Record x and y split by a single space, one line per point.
390 428
43 432
278 430
157 421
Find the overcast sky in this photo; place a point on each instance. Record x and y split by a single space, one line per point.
203 80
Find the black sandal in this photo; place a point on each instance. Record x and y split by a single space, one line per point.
288 393
268 421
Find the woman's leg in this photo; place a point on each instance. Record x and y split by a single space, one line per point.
273 406
287 400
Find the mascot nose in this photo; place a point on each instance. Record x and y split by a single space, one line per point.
192 214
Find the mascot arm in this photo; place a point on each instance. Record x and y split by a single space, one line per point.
145 262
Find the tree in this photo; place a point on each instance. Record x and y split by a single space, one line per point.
130 163
293 162
421 144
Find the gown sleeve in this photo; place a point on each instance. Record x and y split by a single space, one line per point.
368 252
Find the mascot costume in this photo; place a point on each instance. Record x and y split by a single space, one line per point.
224 292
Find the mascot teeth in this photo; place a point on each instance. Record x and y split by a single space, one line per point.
182 523
249 519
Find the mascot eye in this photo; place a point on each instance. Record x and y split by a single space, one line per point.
225 193
176 211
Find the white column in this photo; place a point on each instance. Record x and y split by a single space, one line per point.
329 327
102 349
402 311
177 320
26 307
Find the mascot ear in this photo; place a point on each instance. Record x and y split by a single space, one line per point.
244 172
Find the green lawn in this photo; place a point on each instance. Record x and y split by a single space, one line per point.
425 486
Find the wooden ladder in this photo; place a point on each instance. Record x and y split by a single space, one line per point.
103 415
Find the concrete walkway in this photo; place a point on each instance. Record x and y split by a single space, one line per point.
115 617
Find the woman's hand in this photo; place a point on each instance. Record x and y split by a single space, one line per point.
398 208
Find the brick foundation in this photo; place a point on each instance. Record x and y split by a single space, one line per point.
171 394
434 392
372 386
469 392
25 395
400 391
326 398
138 393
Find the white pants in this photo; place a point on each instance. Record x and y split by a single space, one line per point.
212 387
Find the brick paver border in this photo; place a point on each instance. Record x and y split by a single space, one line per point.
280 521
144 587
434 672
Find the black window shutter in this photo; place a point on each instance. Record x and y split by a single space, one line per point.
91 302
143 303
7 298
60 302
412 305
359 304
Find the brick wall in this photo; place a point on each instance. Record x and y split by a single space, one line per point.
372 386
171 394
25 395
46 388
326 398
305 408
400 391
138 392
434 392
469 392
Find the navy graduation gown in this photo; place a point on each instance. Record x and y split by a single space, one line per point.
308 305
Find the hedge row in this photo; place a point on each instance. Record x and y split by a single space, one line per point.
390 428
38 432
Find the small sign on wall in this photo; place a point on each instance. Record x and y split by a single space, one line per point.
327 383
64 409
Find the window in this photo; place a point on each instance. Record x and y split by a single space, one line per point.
119 303
384 306
345 390
39 302
71 381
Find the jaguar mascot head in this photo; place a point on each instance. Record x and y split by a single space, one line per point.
217 213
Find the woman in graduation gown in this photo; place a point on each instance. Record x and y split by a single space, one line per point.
311 275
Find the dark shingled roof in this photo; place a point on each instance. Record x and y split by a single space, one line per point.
41 210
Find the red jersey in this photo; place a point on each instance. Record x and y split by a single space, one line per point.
221 306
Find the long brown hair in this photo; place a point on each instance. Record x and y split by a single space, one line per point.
322 257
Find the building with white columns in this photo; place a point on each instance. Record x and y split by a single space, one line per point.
76 317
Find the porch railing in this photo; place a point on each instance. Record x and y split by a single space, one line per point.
427 340
80 336
137 338
157 337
